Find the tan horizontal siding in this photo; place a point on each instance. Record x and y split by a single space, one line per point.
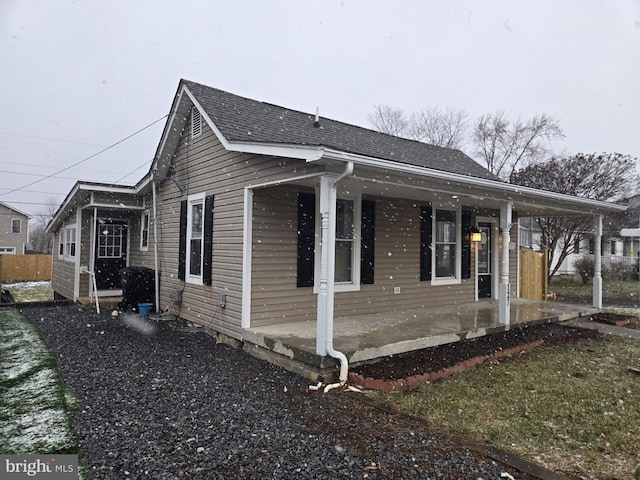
275 297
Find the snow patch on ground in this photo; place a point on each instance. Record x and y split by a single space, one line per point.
26 284
31 395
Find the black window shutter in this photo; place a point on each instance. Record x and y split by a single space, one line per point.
367 246
306 238
208 240
425 244
467 226
182 245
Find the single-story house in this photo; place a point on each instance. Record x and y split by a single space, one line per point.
14 230
255 215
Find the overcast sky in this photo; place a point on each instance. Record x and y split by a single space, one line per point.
79 76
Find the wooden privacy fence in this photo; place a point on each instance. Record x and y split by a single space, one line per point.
25 268
534 274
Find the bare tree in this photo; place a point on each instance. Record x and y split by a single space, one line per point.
445 127
503 145
606 177
39 240
390 120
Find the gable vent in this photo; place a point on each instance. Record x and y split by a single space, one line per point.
196 123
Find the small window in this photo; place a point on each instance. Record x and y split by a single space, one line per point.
67 250
195 234
144 231
576 247
196 123
16 225
7 250
613 247
110 241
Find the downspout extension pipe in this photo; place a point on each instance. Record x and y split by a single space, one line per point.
331 245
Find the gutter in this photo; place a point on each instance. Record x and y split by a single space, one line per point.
495 185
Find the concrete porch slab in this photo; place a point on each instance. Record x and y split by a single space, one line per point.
365 338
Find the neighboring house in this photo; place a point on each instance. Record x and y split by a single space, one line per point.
243 196
14 230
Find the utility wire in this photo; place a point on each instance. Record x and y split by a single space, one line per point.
132 172
85 159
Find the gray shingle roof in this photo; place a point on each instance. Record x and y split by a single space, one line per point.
244 120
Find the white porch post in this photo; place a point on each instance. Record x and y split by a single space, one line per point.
504 300
327 262
597 261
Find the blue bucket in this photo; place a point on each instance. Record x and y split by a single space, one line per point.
144 309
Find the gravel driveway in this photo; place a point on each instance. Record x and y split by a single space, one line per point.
160 403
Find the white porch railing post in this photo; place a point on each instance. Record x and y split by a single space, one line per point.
597 261
504 299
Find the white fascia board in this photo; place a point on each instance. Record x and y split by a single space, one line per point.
308 153
501 187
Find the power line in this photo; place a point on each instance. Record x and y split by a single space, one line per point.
132 172
85 159
38 165
61 140
35 175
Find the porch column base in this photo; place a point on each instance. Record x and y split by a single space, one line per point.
597 292
504 304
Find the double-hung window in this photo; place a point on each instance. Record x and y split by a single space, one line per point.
345 241
196 239
144 231
446 244
441 246
195 234
16 225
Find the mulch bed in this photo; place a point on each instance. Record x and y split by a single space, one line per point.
405 371
616 319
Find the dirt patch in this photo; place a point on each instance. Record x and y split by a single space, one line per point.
401 372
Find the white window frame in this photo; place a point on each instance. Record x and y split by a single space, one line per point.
19 226
145 221
192 200
7 250
457 278
64 246
354 284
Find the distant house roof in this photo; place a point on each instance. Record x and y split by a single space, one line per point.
244 120
15 210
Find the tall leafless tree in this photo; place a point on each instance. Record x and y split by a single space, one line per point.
389 120
503 145
606 177
39 240
445 127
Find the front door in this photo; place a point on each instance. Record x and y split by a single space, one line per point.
111 253
484 256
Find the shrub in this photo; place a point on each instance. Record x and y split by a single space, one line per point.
585 268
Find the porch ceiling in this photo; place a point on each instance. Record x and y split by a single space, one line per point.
453 190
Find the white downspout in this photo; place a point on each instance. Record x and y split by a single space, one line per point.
155 247
326 294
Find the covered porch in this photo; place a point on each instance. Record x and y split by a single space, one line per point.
366 338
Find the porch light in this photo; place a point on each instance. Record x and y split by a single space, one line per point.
476 235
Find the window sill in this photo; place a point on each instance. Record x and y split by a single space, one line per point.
446 281
339 287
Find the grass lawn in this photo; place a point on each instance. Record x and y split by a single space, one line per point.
614 292
34 403
573 408
30 291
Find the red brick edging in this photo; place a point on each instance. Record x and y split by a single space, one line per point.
405 384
